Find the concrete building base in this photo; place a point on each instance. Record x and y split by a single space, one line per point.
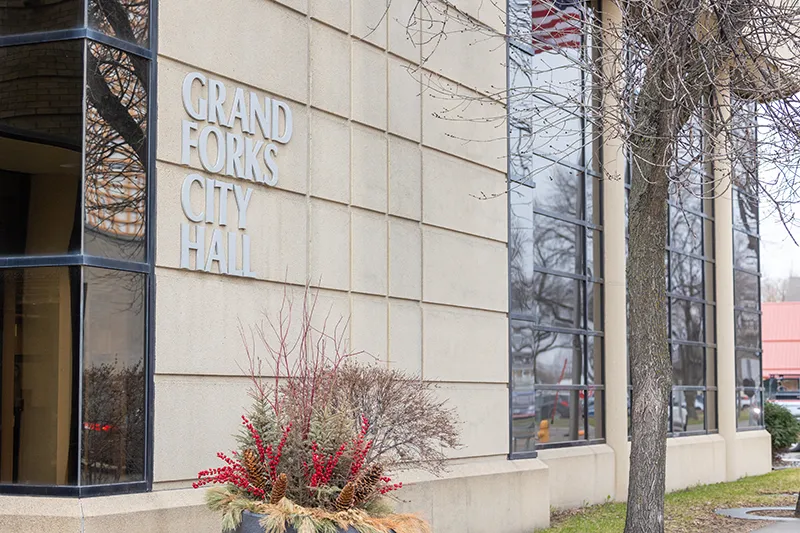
472 497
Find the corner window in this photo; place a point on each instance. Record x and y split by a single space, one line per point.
75 261
555 233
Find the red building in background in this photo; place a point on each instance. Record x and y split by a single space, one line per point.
780 337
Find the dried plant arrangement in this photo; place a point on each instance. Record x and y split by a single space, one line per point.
323 431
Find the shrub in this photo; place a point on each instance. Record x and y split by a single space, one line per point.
323 431
782 426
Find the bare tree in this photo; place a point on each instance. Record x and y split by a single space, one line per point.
680 84
774 290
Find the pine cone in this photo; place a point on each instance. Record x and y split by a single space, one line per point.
366 483
278 489
256 473
345 499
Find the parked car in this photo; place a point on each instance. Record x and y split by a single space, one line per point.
790 400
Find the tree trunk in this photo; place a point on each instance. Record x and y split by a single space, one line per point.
650 363
797 507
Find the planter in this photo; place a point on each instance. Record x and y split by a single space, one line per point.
250 524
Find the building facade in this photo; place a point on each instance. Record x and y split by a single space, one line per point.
169 170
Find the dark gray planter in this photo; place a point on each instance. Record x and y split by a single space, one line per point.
250 525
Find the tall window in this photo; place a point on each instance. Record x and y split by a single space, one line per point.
555 244
746 274
75 260
690 288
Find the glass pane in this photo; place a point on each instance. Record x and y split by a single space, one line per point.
593 200
557 245
688 193
116 154
558 301
748 408
594 318
560 416
688 410
686 231
745 251
519 21
553 358
594 253
745 211
558 189
40 148
595 411
710 409
745 290
523 344
748 370
524 428
594 360
39 336
18 17
688 365
686 275
748 329
128 20
686 320
113 377
520 245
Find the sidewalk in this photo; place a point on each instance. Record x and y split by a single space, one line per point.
783 527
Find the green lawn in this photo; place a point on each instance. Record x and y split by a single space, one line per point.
692 510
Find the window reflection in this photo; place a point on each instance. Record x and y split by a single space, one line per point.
555 260
746 290
688 410
690 282
688 365
745 211
557 245
686 275
520 244
40 148
116 154
113 377
125 19
39 336
18 17
748 408
558 301
748 369
686 320
748 330
546 357
686 231
745 251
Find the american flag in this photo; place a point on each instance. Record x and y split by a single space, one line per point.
556 24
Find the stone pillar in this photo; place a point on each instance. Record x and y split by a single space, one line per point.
726 355
616 353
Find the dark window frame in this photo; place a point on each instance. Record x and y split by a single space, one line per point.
85 35
589 229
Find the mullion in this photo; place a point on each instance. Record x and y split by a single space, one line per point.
563 218
53 36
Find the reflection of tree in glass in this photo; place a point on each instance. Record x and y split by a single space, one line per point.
113 423
116 142
114 336
125 19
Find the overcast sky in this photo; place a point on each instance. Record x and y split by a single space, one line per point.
780 256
